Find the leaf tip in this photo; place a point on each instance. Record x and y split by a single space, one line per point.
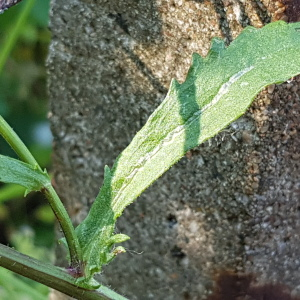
174 84
27 191
118 238
107 172
216 48
118 250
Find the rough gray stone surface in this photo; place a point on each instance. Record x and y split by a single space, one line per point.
228 210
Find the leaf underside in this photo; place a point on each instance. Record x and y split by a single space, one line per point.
15 171
218 89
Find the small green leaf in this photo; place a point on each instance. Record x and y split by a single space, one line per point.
118 238
15 171
218 89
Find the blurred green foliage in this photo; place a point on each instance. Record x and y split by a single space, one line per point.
17 287
14 287
23 99
26 224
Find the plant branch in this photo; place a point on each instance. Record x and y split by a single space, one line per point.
58 208
16 143
67 228
51 276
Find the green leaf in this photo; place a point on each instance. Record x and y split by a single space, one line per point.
15 171
218 89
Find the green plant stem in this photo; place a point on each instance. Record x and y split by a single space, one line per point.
14 33
16 143
58 208
51 276
67 228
